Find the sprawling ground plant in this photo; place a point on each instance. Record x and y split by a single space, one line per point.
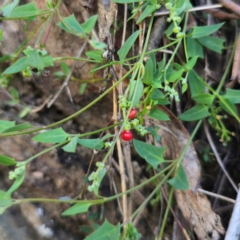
152 70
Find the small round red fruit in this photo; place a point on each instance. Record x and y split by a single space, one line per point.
126 135
132 113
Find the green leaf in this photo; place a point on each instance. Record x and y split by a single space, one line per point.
47 61
126 1
123 51
184 87
89 24
101 175
71 25
82 88
105 137
105 232
35 60
17 183
195 83
18 66
77 208
25 11
158 114
57 135
136 90
66 69
7 10
152 154
229 107
161 65
204 98
194 49
231 94
98 45
7 161
92 143
213 43
182 5
71 146
175 75
156 94
5 200
146 12
5 58
5 125
18 127
191 63
24 112
180 180
95 55
148 74
199 32
195 113
169 30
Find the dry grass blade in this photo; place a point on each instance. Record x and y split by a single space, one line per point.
194 206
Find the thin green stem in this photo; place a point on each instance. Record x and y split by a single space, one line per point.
142 184
164 222
152 194
45 151
180 158
50 17
71 116
75 58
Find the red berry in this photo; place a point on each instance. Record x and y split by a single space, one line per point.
132 113
126 135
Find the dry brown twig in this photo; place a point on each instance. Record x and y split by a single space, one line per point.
236 62
208 135
66 81
231 6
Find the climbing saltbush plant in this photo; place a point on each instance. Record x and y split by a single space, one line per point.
152 82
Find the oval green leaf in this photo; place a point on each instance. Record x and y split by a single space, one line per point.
18 182
25 11
18 66
194 48
228 106
213 43
71 146
71 25
89 24
204 98
232 95
199 32
180 180
195 113
105 232
95 55
152 154
148 72
77 208
146 12
136 90
18 127
91 143
191 63
57 135
123 51
126 1
6 124
158 114
7 161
